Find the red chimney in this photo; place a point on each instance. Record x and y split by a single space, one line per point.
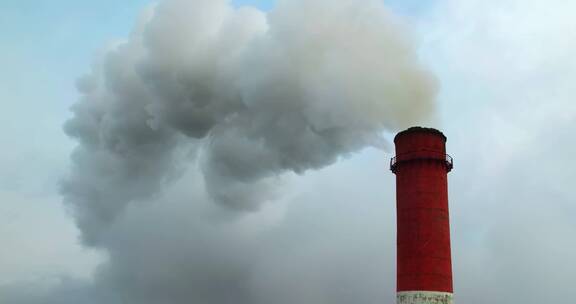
424 267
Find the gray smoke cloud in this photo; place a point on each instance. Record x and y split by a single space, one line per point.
177 249
139 185
248 96
208 111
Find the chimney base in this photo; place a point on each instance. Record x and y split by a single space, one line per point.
423 297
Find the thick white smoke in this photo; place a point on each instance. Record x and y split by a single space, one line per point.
328 237
248 95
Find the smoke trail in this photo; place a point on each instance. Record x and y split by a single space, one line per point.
247 95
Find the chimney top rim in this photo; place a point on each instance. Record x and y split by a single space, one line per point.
419 129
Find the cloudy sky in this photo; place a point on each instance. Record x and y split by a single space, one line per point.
159 202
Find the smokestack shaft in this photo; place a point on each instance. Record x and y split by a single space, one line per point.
424 267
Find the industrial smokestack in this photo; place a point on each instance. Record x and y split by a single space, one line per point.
424 266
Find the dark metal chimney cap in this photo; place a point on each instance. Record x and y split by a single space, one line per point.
420 130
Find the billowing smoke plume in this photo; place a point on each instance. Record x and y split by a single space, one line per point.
247 95
199 116
138 185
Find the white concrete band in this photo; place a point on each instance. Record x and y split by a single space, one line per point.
423 297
